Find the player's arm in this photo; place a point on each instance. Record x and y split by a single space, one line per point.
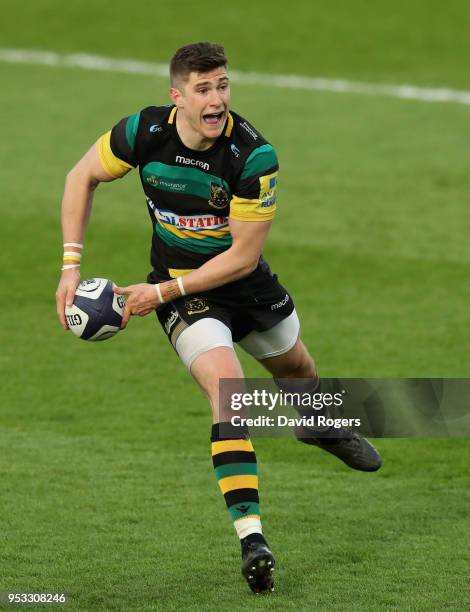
236 262
80 185
252 210
111 157
248 238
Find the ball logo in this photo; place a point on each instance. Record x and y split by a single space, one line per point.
90 285
73 319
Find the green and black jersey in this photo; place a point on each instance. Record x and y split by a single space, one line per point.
192 194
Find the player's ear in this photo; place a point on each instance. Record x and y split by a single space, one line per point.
176 97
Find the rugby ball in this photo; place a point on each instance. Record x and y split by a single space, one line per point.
96 312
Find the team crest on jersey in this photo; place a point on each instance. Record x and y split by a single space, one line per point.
196 305
219 197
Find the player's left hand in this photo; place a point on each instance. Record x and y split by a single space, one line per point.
141 299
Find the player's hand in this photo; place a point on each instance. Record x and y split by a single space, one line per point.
65 293
141 299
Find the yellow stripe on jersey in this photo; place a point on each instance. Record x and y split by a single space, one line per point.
114 166
174 272
244 481
242 209
171 228
172 115
186 233
225 446
257 209
229 128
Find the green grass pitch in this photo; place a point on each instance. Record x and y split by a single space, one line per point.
107 489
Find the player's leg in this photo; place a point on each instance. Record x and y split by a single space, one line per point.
210 367
281 351
235 465
200 334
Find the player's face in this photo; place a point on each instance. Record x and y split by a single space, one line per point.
205 99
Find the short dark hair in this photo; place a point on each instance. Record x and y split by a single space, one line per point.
196 57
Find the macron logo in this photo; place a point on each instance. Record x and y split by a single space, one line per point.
281 303
187 161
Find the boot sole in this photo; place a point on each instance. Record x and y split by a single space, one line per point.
259 574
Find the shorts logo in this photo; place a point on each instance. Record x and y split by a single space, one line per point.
196 305
171 321
219 197
281 303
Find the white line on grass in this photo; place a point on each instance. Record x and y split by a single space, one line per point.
285 81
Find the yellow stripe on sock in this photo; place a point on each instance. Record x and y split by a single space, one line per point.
238 482
256 516
224 446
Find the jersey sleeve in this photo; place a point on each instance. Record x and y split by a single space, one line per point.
254 195
116 148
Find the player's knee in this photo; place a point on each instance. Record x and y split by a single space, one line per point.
299 364
303 368
307 366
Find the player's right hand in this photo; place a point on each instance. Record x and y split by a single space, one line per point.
65 293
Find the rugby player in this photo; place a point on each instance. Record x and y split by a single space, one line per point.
210 181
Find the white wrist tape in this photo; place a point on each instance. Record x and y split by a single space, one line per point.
159 293
180 285
74 244
70 266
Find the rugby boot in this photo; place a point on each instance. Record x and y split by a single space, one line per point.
257 564
349 446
